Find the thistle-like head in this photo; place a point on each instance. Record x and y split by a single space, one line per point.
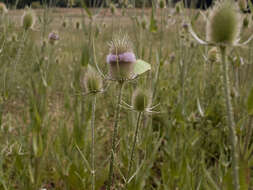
178 7
78 25
223 26
161 4
92 81
213 55
28 19
113 8
141 100
3 8
120 43
242 5
121 57
53 37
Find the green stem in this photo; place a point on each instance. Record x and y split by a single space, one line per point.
230 120
93 142
115 131
133 147
248 135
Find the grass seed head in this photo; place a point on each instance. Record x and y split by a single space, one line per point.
28 19
224 23
3 8
141 100
92 81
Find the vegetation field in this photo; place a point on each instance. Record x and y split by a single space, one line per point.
182 121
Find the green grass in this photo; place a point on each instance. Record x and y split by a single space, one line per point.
45 121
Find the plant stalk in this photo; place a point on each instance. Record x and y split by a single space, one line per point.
115 132
133 147
93 173
230 119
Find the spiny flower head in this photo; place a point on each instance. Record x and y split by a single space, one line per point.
242 5
121 58
178 7
92 81
224 23
3 8
141 100
78 25
120 44
161 4
144 22
64 24
28 19
246 22
53 37
212 55
113 8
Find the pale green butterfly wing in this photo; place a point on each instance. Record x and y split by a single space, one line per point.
141 67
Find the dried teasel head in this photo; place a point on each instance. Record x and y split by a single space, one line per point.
223 26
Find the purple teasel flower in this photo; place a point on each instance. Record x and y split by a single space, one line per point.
124 57
53 36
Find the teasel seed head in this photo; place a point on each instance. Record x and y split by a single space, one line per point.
78 25
113 8
144 22
161 4
3 8
141 100
212 55
64 24
242 5
28 19
120 43
178 7
246 22
53 37
121 58
224 23
92 81
14 37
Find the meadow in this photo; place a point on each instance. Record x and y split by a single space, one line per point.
54 134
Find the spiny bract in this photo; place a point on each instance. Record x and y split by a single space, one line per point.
224 23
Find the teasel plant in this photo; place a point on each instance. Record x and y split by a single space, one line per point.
223 30
93 85
123 67
141 104
28 21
